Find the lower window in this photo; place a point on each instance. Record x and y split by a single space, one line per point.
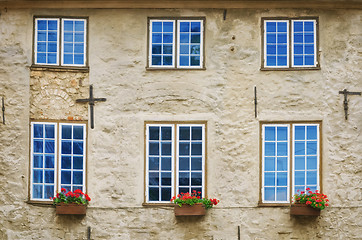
57 158
290 160
175 160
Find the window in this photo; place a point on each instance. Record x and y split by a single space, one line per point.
57 160
60 42
175 160
290 43
289 150
176 43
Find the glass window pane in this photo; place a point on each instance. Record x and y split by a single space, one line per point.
282 60
282 49
298 60
78 147
166 164
37 176
271 38
78 132
282 149
153 163
196 148
153 148
299 163
195 60
37 191
48 191
184 190
311 177
282 38
166 148
65 177
49 146
196 133
299 177
298 26
311 162
167 49
78 177
184 133
49 131
157 27
165 194
271 60
184 149
184 38
195 26
282 26
298 38
66 132
308 37
49 161
184 49
154 133
49 176
156 60
37 161
167 60
271 26
154 178
282 194
309 60
156 38
269 164
38 131
52 24
298 48
168 26
195 38
299 148
42 24
66 147
195 49
196 163
269 179
153 194
166 179
184 27
184 61
309 49
38 146
184 179
282 178
282 163
269 133
311 147
78 59
77 162
79 26
166 133
196 179
270 149
271 49
167 38
66 162
68 25
269 193
184 163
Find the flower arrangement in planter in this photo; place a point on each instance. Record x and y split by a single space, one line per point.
192 204
71 202
309 203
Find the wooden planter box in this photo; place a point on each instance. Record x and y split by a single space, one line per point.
70 209
304 210
187 210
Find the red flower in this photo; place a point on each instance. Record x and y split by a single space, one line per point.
78 191
87 197
63 190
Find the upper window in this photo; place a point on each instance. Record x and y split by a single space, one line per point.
174 151
290 43
60 42
289 151
176 43
57 160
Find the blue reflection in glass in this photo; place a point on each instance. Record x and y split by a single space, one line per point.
166 163
282 178
184 37
196 163
196 179
66 147
196 133
154 178
48 191
78 177
68 25
154 133
195 60
184 148
66 162
311 147
38 146
184 163
166 133
157 38
195 26
282 27
38 131
282 194
77 162
269 133
309 60
269 179
49 161
184 27
42 24
271 49
299 148
269 193
49 146
311 177
299 163
37 161
184 49
166 148
269 149
271 26
153 194
196 148
49 176
37 191
49 131
167 60
156 60
282 163
299 177
166 179
167 49
37 176
78 147
165 194
153 163
312 162
65 177
157 27
79 26
269 164
167 26
66 132
153 148
184 179
78 132
298 26
184 61
167 38
282 149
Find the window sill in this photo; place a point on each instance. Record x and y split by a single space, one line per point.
290 69
273 204
40 203
175 69
58 68
156 205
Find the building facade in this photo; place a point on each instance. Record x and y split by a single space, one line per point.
239 100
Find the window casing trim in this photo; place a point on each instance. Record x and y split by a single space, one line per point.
147 203
56 156
261 203
290 64
59 65
176 66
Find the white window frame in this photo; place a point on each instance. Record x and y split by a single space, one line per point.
85 42
36 41
291 158
315 41
201 43
265 44
32 159
288 159
176 44
57 156
174 157
318 154
60 41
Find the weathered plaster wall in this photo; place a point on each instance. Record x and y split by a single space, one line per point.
222 95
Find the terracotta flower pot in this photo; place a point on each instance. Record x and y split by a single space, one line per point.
300 209
70 208
197 209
